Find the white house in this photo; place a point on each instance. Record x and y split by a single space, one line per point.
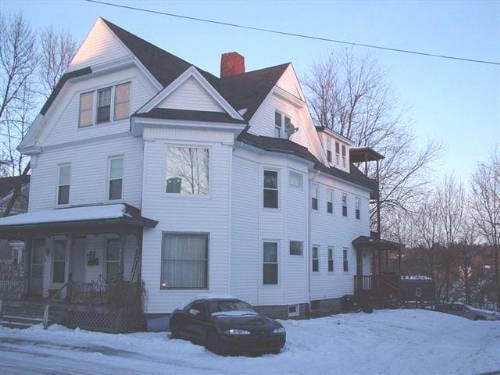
145 166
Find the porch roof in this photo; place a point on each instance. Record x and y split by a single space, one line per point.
365 242
74 219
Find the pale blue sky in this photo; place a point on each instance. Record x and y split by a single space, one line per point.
454 103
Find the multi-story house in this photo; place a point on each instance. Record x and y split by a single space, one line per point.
144 166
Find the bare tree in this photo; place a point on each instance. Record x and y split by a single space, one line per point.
351 97
485 207
17 61
57 48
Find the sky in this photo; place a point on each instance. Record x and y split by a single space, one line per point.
456 104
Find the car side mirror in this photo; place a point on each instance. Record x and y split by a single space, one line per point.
194 312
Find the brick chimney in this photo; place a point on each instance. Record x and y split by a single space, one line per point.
231 64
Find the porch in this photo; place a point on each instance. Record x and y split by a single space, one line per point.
76 261
382 284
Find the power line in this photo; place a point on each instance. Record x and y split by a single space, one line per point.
297 35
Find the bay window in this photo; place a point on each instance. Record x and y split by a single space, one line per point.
184 261
187 170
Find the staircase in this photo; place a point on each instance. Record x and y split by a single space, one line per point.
21 314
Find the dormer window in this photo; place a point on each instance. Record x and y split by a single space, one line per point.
103 105
281 122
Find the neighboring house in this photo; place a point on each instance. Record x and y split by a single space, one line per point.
144 166
14 192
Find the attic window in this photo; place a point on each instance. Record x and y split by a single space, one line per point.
86 109
103 105
122 99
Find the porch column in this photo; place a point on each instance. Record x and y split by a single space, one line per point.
123 239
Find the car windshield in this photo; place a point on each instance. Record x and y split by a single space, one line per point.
220 307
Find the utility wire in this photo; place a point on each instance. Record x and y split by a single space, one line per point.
297 35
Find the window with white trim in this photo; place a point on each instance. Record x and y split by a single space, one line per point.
184 261
331 252
115 178
344 204
329 150
277 124
295 179
86 114
103 105
64 183
293 310
270 188
187 170
343 156
122 101
314 196
296 247
345 259
315 258
337 153
270 263
329 202
358 208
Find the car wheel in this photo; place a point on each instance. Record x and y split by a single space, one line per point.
213 342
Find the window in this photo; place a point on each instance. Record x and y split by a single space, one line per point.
187 170
112 259
64 184
277 124
287 126
315 259
296 248
344 204
345 259
270 263
59 261
343 156
281 124
115 178
358 208
103 105
418 292
330 258
295 179
293 310
270 189
314 197
86 109
337 153
122 101
184 261
329 203
328 150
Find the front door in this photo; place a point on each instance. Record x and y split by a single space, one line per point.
36 267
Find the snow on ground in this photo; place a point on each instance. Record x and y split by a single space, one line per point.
385 342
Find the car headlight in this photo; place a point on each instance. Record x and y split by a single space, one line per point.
235 331
279 330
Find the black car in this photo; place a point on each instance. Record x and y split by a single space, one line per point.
227 326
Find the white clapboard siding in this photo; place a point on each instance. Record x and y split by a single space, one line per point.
208 214
190 95
100 47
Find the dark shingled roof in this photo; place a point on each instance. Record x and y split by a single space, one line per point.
189 115
7 184
246 90
60 84
286 146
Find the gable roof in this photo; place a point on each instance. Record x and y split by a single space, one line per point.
246 90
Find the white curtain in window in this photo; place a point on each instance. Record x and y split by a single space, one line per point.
184 260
